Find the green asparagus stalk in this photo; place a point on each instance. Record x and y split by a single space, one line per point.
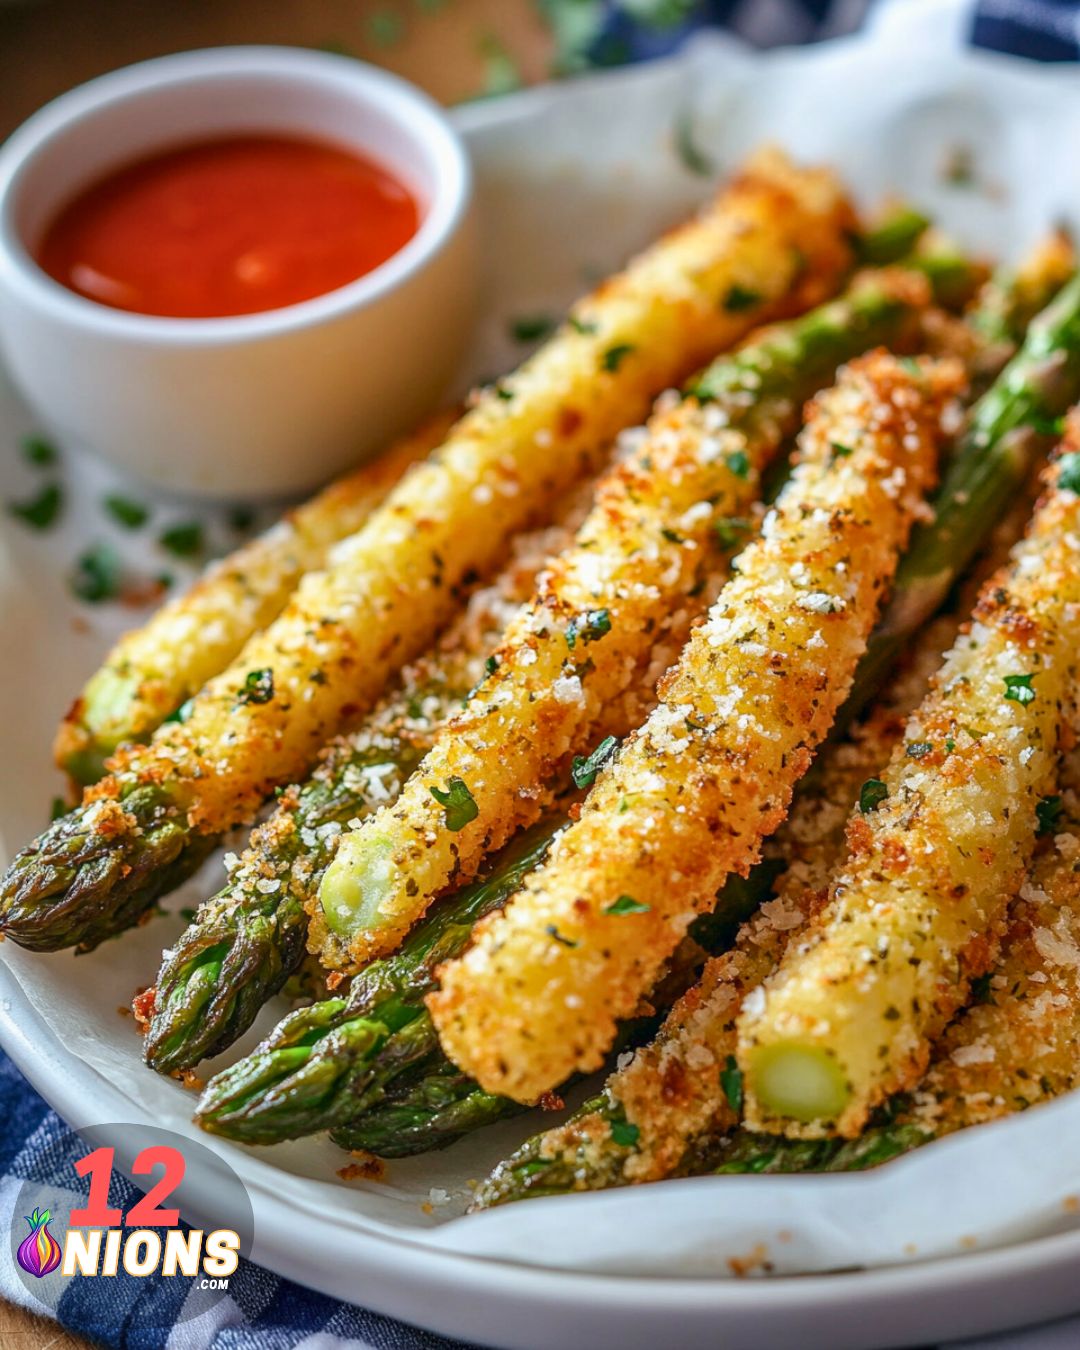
1018 416
246 941
434 1109
98 869
1013 296
318 1066
892 237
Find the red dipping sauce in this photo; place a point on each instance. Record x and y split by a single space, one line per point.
231 226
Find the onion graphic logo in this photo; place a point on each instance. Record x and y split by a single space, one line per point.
39 1252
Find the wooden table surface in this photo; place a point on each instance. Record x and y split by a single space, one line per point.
456 49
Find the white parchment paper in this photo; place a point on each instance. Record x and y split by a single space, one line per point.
572 179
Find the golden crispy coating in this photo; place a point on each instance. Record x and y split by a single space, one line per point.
153 669
938 848
579 661
775 231
690 797
371 761
1020 1043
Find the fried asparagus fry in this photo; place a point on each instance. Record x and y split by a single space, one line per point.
1017 1046
1012 297
939 845
776 233
246 941
608 618
689 798
370 1060
656 1107
1013 420
154 669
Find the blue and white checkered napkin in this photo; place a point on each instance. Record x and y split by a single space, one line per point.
261 1311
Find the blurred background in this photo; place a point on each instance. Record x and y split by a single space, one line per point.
456 49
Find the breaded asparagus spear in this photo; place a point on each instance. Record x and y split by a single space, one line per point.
597 630
330 1065
656 1107
939 845
1017 416
776 234
690 796
1017 1046
245 942
154 669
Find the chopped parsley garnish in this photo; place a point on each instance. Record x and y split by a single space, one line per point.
624 1133
917 749
458 803
626 904
385 28
491 665
38 451
501 72
589 627
182 713
1046 426
871 795
1018 689
950 745
585 767
97 574
1069 473
553 932
532 327
185 540
688 150
731 1083
585 327
502 392
730 531
739 463
614 356
840 450
1048 813
41 510
740 298
59 808
959 167
911 366
258 687
126 512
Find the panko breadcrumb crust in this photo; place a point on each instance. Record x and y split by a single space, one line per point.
690 796
153 669
584 657
919 908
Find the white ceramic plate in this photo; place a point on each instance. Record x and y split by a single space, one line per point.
571 179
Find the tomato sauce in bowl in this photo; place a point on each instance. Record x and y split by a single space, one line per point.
238 225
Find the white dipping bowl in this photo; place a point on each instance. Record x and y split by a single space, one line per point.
258 405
